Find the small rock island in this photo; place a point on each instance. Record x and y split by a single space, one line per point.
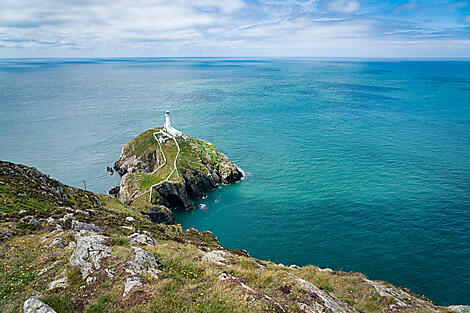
162 169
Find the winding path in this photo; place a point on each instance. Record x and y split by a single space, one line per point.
161 132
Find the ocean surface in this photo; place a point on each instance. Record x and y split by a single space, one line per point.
355 165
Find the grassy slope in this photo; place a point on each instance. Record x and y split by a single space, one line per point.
187 282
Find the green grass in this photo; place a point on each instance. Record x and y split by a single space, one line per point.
142 145
74 277
60 303
100 305
10 202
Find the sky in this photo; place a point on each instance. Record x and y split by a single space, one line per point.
234 28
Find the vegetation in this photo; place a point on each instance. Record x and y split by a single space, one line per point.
190 280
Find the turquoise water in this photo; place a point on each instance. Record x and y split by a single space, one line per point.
354 165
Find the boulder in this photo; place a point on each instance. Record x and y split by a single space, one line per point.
77 225
142 239
33 305
216 256
58 283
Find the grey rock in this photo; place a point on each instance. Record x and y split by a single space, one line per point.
88 253
58 283
57 243
144 264
33 305
143 239
459 308
30 220
216 256
131 282
76 225
329 302
130 219
161 215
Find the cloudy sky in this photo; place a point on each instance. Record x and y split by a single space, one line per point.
329 28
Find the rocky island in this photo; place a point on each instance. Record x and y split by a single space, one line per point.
162 169
162 172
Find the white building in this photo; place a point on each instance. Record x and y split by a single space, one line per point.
167 127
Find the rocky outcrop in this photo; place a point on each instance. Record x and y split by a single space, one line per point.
144 264
172 195
161 214
459 308
33 305
114 190
88 253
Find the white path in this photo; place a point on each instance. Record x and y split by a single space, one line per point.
167 179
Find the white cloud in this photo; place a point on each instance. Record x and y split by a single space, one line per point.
197 27
343 6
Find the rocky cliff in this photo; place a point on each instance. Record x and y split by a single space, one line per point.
63 249
169 172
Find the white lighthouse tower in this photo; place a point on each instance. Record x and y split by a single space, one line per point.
167 127
167 120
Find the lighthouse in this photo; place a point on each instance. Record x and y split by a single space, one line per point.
167 120
167 127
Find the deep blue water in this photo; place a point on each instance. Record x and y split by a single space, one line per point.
354 165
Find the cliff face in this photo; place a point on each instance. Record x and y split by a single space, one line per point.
150 175
64 249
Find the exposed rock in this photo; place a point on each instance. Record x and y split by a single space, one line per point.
57 243
224 276
33 305
459 308
216 256
402 299
110 170
47 268
76 225
144 264
161 215
114 190
172 195
88 253
121 170
58 283
327 301
130 219
131 282
109 272
144 239
66 221
30 221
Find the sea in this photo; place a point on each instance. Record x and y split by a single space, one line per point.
352 164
